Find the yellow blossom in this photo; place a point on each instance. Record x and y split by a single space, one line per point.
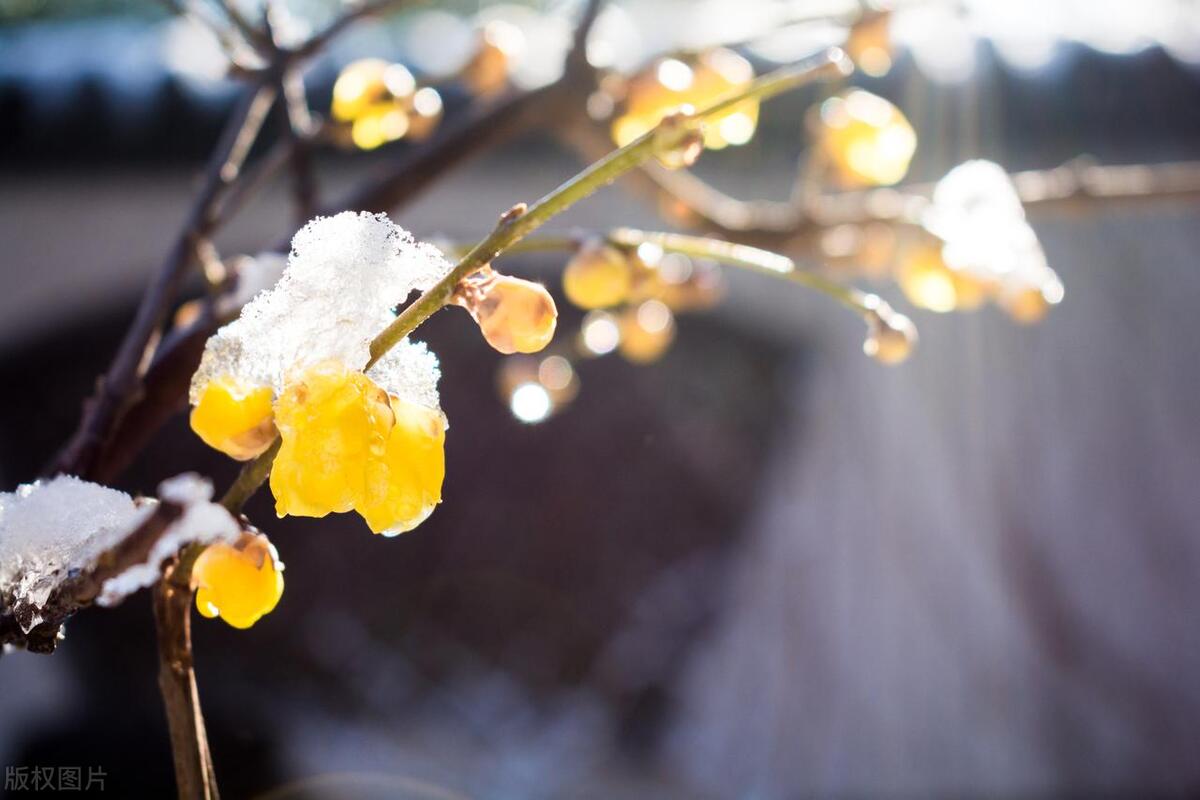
238 582
598 276
347 445
865 139
234 418
671 84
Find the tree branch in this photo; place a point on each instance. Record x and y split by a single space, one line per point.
122 380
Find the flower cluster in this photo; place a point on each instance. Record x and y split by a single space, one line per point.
377 102
682 83
293 364
645 286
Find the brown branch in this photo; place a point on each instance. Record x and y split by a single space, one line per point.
78 592
297 132
195 777
365 10
483 127
122 381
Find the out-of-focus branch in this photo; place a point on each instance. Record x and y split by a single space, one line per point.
122 381
364 10
298 125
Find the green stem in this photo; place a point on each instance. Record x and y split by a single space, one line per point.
740 255
520 221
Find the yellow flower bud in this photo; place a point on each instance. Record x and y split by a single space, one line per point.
514 315
598 276
869 44
646 332
1030 301
866 139
376 100
239 582
234 418
928 282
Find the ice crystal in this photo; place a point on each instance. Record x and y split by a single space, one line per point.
344 278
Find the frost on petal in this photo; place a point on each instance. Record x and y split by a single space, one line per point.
410 372
52 530
344 278
59 539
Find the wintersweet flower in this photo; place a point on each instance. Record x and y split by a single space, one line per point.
348 445
865 139
239 582
369 440
671 84
234 418
597 276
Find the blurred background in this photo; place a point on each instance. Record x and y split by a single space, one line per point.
762 567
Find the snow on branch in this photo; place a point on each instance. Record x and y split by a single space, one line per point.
66 543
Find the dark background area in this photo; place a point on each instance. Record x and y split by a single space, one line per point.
764 567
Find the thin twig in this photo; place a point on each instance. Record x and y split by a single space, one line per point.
122 380
363 11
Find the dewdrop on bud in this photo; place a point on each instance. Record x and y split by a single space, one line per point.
891 336
514 315
599 334
238 582
597 276
536 389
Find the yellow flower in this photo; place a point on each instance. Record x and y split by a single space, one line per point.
598 276
404 486
670 84
929 282
380 103
239 582
646 332
347 445
234 418
866 139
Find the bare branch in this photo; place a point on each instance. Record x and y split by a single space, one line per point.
122 381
